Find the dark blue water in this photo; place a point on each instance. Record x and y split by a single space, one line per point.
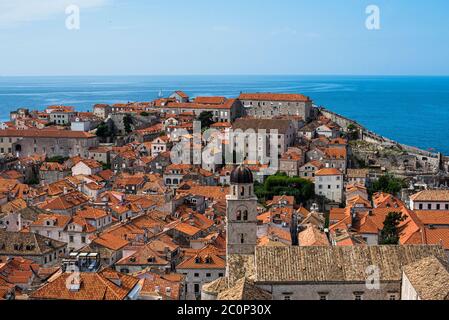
410 110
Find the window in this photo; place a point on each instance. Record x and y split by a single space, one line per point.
323 296
196 275
287 298
83 239
221 274
392 297
208 275
242 238
429 206
239 215
245 215
197 288
71 239
420 206
438 206
358 296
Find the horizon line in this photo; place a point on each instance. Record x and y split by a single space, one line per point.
227 75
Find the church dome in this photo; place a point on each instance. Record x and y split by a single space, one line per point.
241 175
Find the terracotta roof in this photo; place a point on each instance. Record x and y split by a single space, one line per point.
337 264
144 256
163 286
110 241
274 97
437 217
431 195
93 164
312 236
66 201
187 229
52 166
46 133
105 285
92 213
27 244
182 94
328 172
438 236
244 290
59 220
386 200
430 278
206 258
336 153
210 100
106 174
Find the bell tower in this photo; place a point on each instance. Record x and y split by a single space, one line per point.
241 213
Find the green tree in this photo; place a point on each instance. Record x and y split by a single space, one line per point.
58 159
127 123
388 184
280 184
102 130
390 232
206 118
352 132
144 114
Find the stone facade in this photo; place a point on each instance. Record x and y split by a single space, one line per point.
274 105
64 143
241 214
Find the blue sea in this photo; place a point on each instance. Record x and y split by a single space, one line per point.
410 110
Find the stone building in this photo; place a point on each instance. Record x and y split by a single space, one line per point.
265 132
42 250
226 111
204 266
305 273
329 183
64 143
325 273
269 105
430 200
61 115
241 213
102 111
427 279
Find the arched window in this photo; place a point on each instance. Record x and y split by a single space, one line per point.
242 191
168 181
239 215
242 238
175 181
245 215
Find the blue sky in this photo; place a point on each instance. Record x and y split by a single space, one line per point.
158 37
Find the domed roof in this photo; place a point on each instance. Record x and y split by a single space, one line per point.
241 175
